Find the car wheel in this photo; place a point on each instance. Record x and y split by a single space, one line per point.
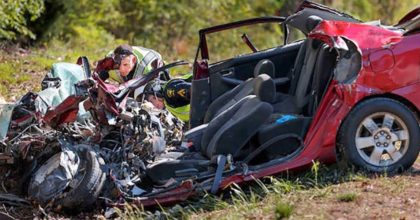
84 193
380 135
71 181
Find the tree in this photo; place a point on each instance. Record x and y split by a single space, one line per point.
15 15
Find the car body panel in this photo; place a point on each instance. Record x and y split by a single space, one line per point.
389 66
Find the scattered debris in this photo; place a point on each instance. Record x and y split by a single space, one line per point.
13 200
72 144
6 216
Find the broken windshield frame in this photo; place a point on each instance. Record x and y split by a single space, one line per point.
202 48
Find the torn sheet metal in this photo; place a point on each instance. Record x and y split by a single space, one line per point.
13 200
68 75
54 177
331 32
349 64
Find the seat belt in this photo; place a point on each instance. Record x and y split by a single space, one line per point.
221 162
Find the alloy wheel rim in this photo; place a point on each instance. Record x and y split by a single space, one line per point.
382 139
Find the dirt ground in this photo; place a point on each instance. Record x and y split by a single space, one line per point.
396 197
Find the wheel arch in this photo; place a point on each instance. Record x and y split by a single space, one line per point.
399 98
393 96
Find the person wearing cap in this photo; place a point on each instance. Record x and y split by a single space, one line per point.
174 95
128 62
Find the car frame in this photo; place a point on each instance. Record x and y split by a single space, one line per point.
379 70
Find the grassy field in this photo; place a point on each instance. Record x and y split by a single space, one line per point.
322 193
22 70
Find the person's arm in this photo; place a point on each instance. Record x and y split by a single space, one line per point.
103 75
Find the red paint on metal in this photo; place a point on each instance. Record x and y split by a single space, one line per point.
65 112
381 60
366 36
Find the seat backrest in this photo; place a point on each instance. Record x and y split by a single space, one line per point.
304 77
304 65
323 72
228 99
294 74
244 89
228 132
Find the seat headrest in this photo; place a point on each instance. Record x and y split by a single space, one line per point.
264 66
312 22
264 88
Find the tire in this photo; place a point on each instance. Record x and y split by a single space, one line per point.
379 135
84 188
86 193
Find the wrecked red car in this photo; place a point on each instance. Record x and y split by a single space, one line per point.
346 91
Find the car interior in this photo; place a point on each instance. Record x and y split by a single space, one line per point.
253 110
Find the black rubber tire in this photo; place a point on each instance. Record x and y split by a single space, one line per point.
346 146
86 193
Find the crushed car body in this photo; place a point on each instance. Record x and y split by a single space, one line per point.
71 143
347 91
364 70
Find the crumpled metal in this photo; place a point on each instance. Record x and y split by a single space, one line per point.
52 178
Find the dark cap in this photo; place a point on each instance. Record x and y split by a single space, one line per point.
122 51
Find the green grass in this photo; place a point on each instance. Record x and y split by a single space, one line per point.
283 210
7 72
286 196
22 70
347 197
267 197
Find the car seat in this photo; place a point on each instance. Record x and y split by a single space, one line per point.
226 134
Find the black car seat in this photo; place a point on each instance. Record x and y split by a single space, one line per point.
228 99
226 134
300 80
298 95
239 92
229 132
296 126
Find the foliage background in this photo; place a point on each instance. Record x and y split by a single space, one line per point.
169 27
36 33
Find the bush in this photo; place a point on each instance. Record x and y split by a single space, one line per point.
14 18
